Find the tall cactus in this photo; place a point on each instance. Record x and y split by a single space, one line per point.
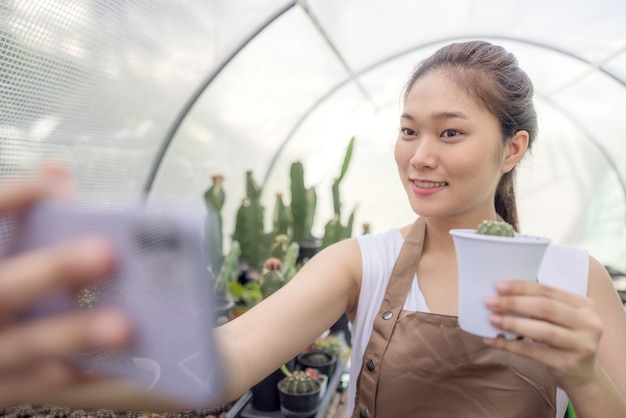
289 267
298 199
214 198
303 203
230 269
334 230
249 231
282 217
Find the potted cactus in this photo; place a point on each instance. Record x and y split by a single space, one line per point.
299 394
322 361
276 273
486 255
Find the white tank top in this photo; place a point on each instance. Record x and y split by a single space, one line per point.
562 267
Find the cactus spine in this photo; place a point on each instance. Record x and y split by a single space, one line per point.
496 228
299 383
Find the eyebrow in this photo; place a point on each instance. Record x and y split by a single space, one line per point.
439 116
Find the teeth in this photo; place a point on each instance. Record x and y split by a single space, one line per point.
428 184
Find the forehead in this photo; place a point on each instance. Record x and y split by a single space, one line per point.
437 91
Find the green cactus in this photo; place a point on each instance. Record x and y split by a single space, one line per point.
334 230
280 245
249 230
272 278
310 201
289 267
230 269
253 191
282 217
214 198
330 345
299 382
303 203
497 228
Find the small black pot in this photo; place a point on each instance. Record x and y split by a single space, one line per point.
222 306
308 248
265 393
298 406
320 360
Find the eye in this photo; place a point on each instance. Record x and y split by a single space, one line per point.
408 132
450 133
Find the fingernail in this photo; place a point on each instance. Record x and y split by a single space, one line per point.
58 182
94 257
503 287
492 301
496 320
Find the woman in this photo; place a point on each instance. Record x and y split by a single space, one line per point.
468 120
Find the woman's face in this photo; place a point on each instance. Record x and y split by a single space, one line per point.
449 151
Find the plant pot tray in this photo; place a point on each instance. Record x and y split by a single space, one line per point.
244 409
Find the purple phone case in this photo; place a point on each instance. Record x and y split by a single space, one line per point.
160 282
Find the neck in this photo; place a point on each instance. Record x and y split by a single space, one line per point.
438 230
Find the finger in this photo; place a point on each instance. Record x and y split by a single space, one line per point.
29 384
53 180
537 307
537 330
28 277
549 310
529 288
61 336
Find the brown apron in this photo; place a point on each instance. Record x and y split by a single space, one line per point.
419 364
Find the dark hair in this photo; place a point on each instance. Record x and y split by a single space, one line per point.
491 75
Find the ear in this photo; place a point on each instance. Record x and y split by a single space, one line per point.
515 149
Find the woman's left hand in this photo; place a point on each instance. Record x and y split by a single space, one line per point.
561 330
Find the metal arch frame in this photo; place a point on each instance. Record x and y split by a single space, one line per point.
182 114
605 154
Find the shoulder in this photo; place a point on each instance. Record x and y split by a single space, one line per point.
600 283
390 240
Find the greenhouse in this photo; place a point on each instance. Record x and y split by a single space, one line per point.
180 99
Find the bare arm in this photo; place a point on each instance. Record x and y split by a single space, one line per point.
273 332
605 394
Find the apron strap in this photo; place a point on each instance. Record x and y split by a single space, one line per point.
385 321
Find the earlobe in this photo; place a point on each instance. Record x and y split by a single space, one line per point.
515 150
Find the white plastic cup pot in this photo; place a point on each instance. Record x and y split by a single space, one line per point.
483 261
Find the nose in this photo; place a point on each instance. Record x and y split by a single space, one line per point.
424 154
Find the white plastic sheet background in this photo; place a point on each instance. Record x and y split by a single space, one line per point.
157 96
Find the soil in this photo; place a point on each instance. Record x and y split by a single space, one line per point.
48 411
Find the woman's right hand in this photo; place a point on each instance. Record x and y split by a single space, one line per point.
33 353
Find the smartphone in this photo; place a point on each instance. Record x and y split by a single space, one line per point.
160 282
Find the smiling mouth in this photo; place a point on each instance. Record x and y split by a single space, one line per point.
429 184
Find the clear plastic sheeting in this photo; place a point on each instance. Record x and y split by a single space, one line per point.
137 96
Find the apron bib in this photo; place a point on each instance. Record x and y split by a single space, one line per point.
419 364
